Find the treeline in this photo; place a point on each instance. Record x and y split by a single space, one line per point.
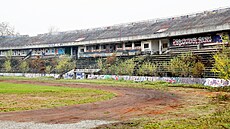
59 64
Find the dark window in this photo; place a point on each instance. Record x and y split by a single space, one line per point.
82 50
165 45
128 45
146 45
119 45
87 47
103 47
97 47
137 44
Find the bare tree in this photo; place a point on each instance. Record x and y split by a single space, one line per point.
52 30
6 29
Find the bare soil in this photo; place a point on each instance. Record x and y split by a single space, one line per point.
129 103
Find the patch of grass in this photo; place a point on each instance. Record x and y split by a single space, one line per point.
17 97
215 120
124 83
212 121
220 97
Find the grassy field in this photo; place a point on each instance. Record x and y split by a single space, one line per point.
203 112
17 97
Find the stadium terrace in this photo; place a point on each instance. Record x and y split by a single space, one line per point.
152 37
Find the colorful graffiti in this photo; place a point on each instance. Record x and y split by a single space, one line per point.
103 54
195 40
216 82
213 82
221 37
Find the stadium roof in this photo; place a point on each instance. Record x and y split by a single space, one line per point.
208 21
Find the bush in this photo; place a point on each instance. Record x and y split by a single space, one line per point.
147 68
222 63
185 65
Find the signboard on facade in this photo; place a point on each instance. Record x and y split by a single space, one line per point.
189 41
222 37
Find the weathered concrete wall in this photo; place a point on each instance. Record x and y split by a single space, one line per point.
28 75
213 82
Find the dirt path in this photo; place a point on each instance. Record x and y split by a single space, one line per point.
129 103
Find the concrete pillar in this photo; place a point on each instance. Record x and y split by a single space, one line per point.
99 48
160 47
133 45
84 48
123 46
71 51
168 43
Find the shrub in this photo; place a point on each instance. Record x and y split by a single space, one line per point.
185 65
147 68
198 69
222 63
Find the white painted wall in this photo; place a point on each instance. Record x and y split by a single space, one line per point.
146 49
155 45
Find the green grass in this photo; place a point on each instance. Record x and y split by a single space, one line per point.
216 120
123 83
17 97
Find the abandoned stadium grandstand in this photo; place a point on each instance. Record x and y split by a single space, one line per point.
201 33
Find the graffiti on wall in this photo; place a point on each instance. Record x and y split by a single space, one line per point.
216 82
104 54
195 40
213 82
221 37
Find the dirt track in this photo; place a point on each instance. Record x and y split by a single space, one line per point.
129 103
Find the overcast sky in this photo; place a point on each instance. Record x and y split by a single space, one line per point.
34 17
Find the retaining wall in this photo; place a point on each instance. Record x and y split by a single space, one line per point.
213 82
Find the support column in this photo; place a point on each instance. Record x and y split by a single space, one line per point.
133 45
123 46
85 49
71 51
100 47
160 47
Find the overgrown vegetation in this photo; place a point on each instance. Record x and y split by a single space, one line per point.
147 68
38 64
185 65
222 63
65 63
24 67
116 67
7 64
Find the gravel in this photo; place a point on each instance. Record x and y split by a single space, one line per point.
87 124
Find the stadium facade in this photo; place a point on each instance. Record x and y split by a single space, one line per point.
199 31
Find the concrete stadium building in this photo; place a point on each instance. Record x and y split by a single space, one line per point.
198 32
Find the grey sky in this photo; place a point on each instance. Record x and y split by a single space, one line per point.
36 16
